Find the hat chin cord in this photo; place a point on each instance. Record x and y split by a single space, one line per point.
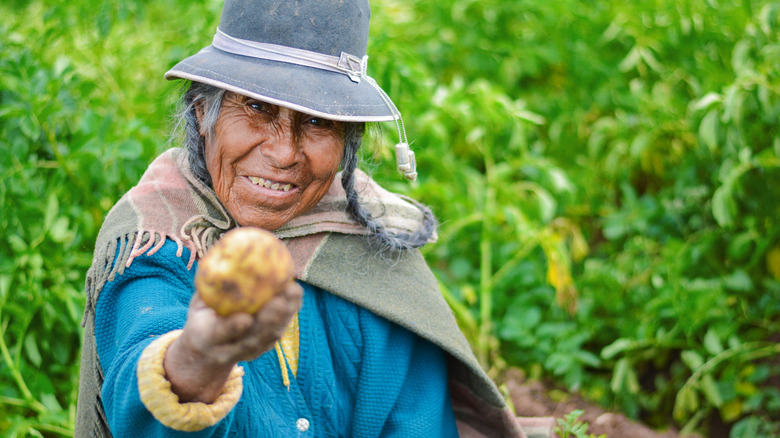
352 66
404 155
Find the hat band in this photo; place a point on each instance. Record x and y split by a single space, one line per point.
347 64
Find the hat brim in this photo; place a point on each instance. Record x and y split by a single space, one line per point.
309 90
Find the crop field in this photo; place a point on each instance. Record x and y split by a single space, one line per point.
606 175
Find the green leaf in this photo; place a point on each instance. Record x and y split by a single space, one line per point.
615 228
685 403
5 284
52 208
130 149
29 127
739 281
741 245
588 358
17 244
560 180
708 130
632 381
529 116
59 231
31 349
712 342
50 401
547 205
741 60
706 101
692 359
723 206
649 58
616 348
619 375
640 144
630 61
711 391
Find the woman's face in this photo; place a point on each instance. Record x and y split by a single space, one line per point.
268 163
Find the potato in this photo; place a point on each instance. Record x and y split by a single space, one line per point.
243 270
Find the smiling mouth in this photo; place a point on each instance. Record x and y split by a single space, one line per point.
267 183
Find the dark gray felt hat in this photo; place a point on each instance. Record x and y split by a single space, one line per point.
307 55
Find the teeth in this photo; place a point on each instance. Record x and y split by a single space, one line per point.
270 184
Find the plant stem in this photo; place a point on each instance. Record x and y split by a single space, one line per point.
462 314
752 350
516 259
13 401
485 262
52 428
17 375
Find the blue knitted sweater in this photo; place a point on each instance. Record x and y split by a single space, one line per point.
358 374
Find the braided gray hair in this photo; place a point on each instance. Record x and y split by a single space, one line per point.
209 99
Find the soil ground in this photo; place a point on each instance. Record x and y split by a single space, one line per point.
531 399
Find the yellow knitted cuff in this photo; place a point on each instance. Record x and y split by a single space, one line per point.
164 405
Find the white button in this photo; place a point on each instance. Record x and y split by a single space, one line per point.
302 424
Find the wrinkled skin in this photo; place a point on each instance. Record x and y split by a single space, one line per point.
257 139
253 139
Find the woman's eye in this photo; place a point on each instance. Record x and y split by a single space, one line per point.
257 105
315 121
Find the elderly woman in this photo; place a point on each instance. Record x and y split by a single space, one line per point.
362 344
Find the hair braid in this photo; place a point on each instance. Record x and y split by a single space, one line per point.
379 236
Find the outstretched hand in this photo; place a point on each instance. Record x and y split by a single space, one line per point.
198 363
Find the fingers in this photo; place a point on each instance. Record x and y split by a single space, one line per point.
273 318
212 328
281 308
242 336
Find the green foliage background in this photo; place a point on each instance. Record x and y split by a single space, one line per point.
607 175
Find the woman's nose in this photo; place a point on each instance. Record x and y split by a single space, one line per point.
282 148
